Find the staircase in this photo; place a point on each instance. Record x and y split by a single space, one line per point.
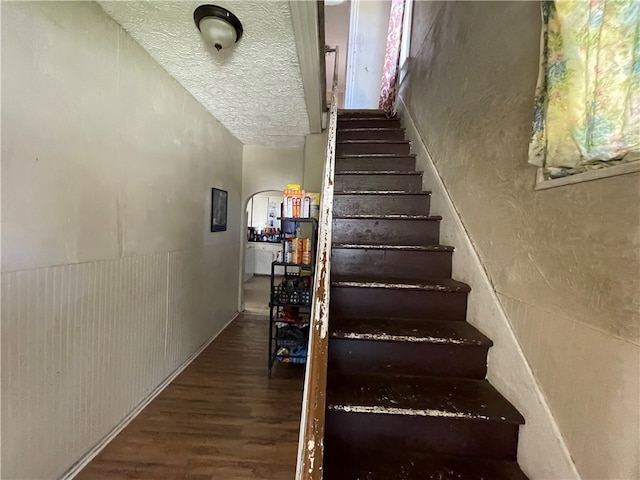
406 391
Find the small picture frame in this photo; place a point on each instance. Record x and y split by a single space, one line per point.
218 210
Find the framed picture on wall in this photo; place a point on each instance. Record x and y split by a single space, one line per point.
218 210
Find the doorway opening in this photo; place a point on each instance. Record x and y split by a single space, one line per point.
359 29
263 246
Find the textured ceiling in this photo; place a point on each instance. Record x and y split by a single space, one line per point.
254 89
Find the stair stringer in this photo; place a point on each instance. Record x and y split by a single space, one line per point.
542 451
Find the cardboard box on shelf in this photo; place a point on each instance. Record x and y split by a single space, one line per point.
314 205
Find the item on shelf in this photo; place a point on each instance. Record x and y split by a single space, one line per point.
290 335
290 315
268 234
297 354
291 294
314 205
305 208
296 202
287 251
292 341
297 250
293 291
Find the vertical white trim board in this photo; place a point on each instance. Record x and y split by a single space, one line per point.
350 71
542 451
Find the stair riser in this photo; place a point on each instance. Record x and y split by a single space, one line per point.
368 123
392 263
370 356
384 204
363 302
386 231
372 148
366 113
368 164
451 436
407 183
372 134
343 464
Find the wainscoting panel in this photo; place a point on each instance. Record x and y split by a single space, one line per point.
84 344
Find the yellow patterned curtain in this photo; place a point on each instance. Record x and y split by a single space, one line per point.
587 106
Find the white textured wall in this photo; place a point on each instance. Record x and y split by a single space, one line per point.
110 276
315 156
564 261
270 168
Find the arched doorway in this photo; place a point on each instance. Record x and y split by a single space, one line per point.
261 246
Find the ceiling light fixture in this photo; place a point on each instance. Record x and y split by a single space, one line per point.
217 25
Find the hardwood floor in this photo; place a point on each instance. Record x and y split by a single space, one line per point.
220 419
256 295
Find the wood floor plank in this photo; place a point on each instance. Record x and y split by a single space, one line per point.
220 419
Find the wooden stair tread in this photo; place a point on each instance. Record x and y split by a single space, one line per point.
372 129
419 396
360 111
353 463
346 118
381 192
350 123
390 217
379 172
375 155
442 332
410 248
372 141
427 284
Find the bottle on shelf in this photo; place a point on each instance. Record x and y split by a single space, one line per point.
296 202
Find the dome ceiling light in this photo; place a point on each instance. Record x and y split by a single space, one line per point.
218 26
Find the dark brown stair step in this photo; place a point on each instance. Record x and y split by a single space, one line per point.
375 162
378 180
420 396
385 133
400 261
361 113
367 122
440 332
462 416
400 147
444 285
412 248
426 347
380 202
372 297
353 463
387 229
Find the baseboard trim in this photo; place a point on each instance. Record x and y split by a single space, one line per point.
95 450
542 452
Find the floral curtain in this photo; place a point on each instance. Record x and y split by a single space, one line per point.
587 105
392 58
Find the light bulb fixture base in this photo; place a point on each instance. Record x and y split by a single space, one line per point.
218 26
